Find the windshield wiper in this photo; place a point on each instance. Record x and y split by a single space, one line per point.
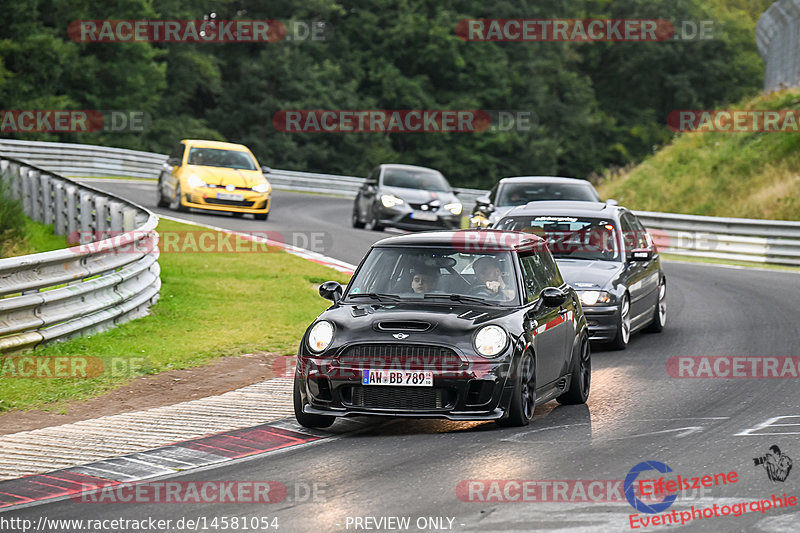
460 298
375 296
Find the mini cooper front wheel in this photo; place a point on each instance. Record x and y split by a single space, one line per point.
581 375
523 399
304 419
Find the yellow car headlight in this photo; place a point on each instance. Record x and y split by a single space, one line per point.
194 181
261 187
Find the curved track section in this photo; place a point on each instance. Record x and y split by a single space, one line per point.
637 412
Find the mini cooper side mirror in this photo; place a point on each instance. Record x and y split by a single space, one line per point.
331 290
612 202
553 297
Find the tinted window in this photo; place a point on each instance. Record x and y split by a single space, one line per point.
570 237
628 232
642 238
534 276
522 193
177 152
436 273
415 179
493 194
550 271
213 157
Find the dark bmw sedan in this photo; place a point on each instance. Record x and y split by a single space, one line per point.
465 325
406 197
606 254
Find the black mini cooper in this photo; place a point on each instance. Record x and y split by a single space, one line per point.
464 325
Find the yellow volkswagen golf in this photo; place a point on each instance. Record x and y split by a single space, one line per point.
214 175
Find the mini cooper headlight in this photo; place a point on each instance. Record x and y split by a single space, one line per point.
320 336
261 187
455 208
194 181
390 200
594 297
491 341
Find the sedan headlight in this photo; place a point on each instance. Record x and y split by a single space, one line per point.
320 336
455 208
594 297
491 341
194 181
390 200
262 187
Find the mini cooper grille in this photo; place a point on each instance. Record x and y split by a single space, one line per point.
399 398
400 356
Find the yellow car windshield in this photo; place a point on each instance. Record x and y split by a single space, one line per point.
214 157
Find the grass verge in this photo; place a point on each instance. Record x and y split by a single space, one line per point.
212 305
744 174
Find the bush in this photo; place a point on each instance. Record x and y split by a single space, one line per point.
12 224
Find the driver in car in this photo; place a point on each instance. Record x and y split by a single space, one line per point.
423 281
487 270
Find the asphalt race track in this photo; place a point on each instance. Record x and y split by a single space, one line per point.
436 472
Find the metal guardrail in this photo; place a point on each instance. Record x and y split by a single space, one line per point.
739 239
84 289
778 43
761 241
89 160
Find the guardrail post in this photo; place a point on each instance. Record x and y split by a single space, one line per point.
36 195
128 219
86 218
101 218
73 220
115 211
46 182
59 213
26 186
14 186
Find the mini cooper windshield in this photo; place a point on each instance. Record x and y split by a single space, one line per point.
571 237
440 274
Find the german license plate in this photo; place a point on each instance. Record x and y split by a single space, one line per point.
397 378
230 196
421 215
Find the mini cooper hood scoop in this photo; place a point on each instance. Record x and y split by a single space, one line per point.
409 316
